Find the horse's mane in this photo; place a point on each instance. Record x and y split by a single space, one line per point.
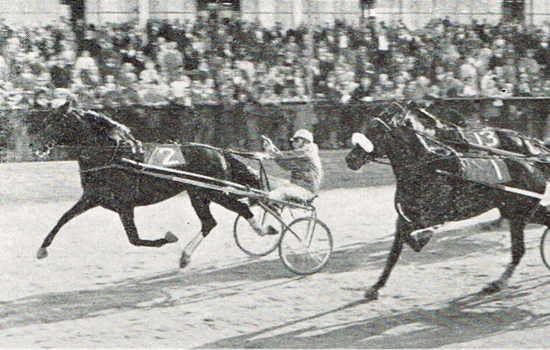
108 127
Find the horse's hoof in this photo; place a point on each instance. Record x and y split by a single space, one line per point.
418 239
492 288
170 237
42 253
371 294
184 261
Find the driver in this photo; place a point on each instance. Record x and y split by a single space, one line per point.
304 164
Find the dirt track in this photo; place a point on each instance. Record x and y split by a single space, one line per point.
96 290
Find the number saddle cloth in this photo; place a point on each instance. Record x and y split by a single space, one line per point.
163 155
479 166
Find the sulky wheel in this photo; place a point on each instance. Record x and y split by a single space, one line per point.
305 246
545 248
249 241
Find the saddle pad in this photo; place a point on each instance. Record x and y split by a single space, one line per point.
164 155
492 171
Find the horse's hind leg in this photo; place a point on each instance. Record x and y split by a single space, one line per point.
127 218
518 250
541 216
402 230
202 208
80 207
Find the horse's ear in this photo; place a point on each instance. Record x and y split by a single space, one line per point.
358 139
62 106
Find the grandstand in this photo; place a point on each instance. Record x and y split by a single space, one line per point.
290 13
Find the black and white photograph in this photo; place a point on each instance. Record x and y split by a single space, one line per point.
275 174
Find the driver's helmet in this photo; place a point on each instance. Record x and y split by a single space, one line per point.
303 134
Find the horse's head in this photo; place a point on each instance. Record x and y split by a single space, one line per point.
54 127
391 130
68 126
361 152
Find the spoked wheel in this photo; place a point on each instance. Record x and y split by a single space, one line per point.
249 241
545 248
305 246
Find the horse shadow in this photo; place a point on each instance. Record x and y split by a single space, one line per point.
178 287
453 322
446 245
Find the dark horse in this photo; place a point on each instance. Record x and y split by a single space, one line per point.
99 143
433 186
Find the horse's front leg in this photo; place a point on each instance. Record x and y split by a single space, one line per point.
80 207
401 232
127 217
518 250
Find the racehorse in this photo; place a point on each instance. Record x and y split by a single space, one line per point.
99 143
433 186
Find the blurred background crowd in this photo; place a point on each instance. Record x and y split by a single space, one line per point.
228 61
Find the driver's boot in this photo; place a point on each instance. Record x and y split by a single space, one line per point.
262 231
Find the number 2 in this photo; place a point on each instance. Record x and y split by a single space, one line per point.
168 154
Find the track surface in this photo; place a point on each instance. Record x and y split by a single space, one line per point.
97 290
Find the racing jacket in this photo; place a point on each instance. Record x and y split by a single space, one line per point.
303 163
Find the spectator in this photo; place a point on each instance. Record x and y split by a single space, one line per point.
85 71
468 70
26 80
60 72
450 86
109 88
152 89
387 87
128 77
180 90
134 57
470 87
149 75
384 50
542 56
450 55
364 90
497 59
67 52
510 70
489 86
400 87
524 86
245 64
529 64
171 60
4 69
483 59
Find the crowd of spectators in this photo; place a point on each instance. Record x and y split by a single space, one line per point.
220 60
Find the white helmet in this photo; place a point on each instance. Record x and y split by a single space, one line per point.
304 134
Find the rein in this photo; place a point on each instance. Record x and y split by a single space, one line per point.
495 151
110 165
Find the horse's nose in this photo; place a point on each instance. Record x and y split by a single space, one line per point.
352 162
